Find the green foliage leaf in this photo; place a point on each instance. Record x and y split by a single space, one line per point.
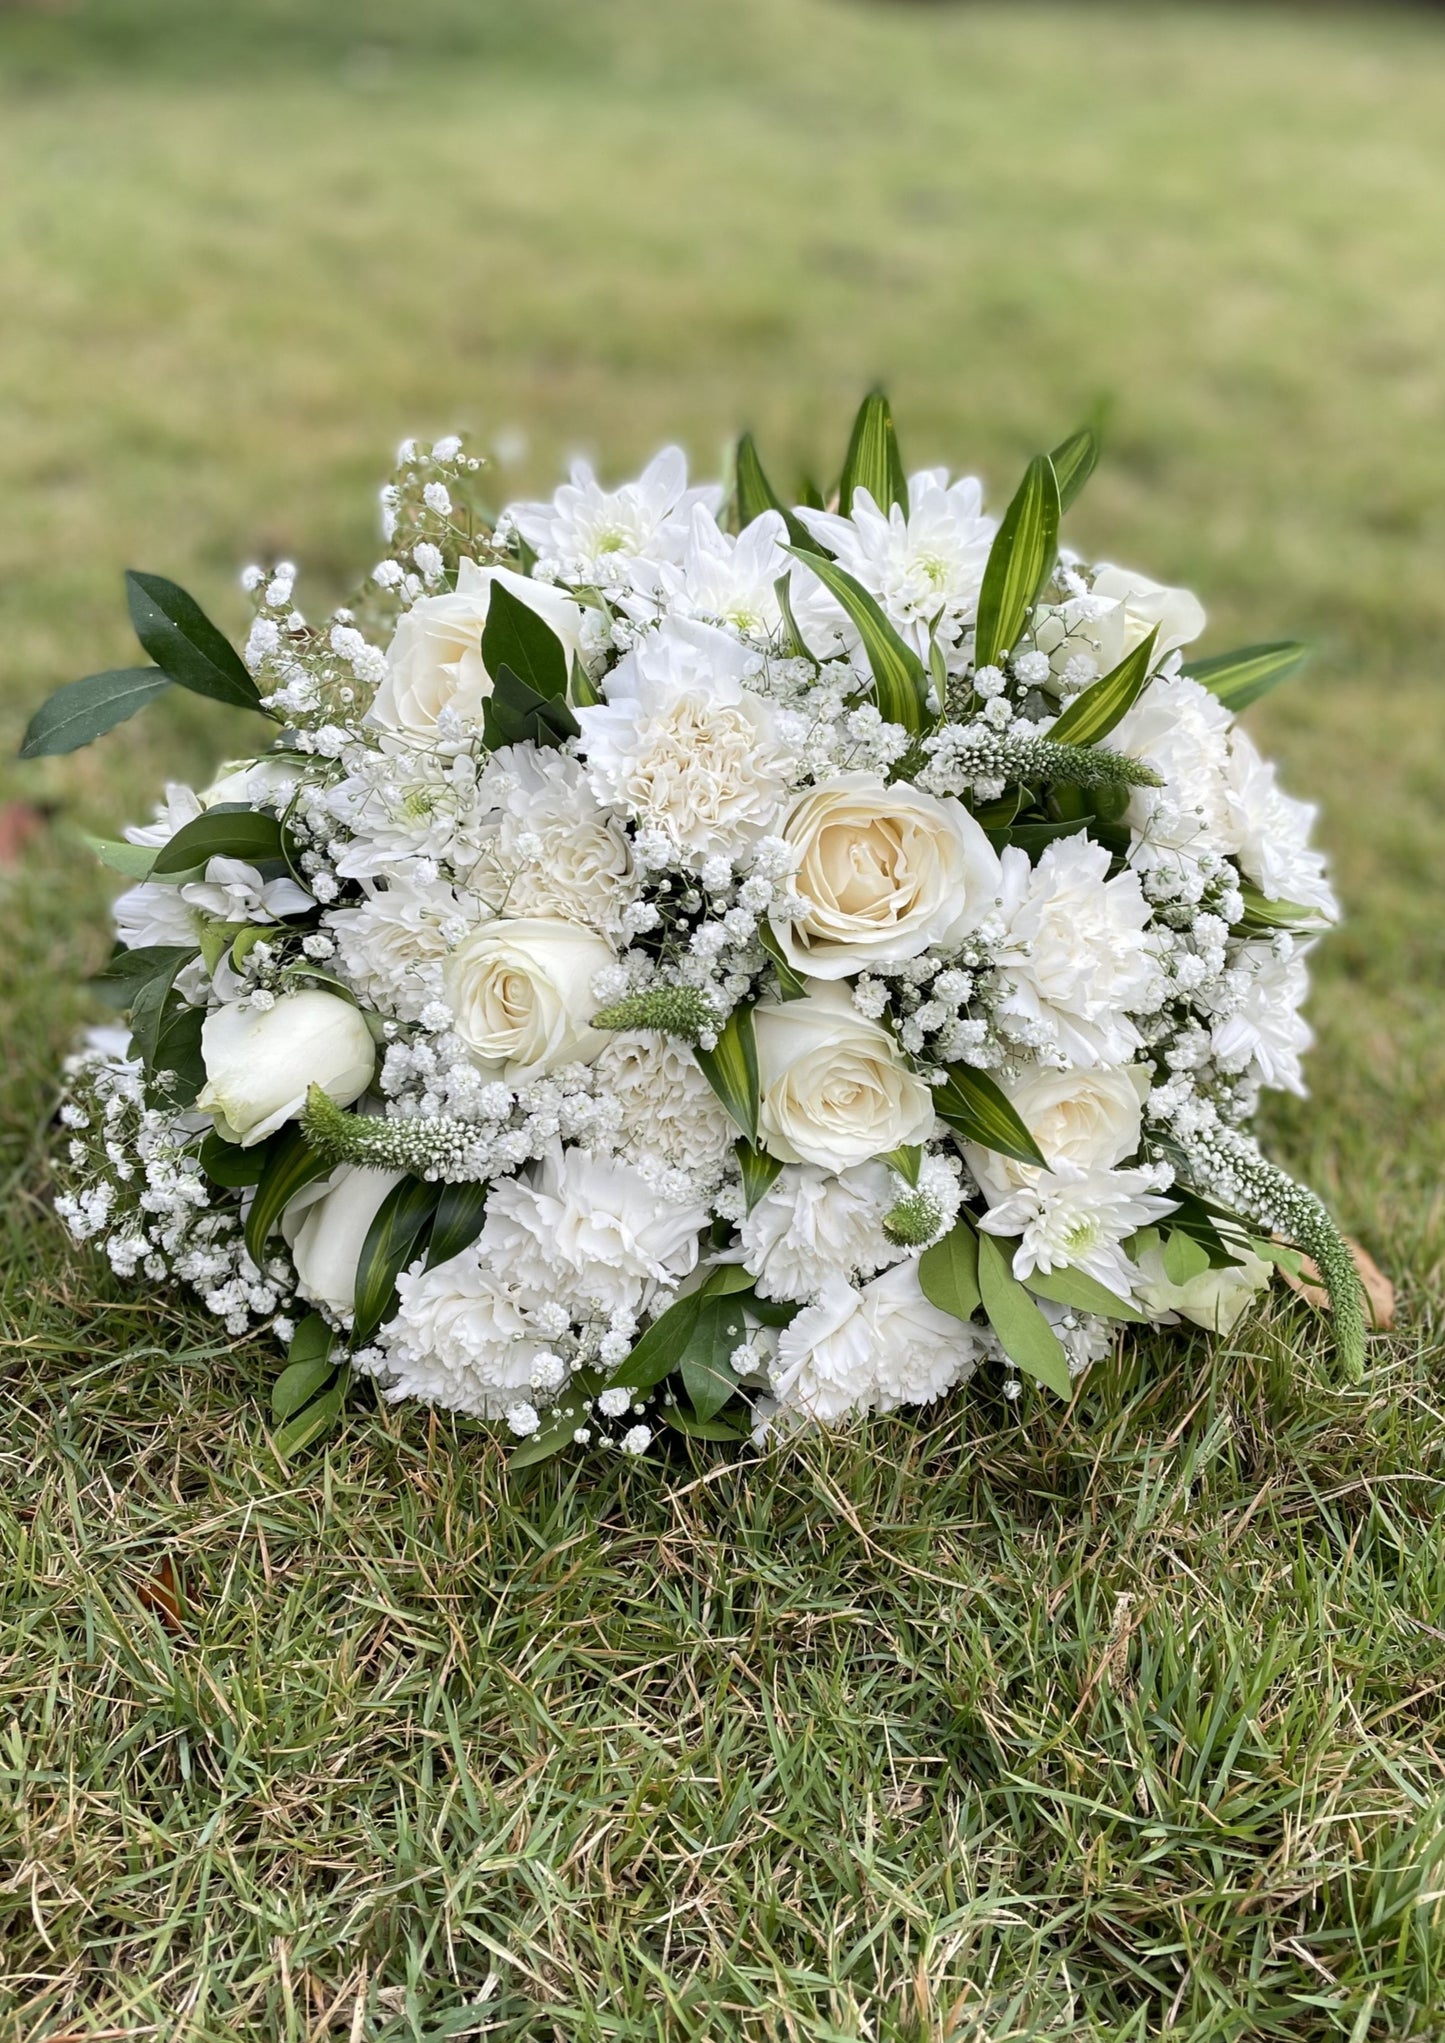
178 1051
972 1104
1241 677
290 1165
1020 561
782 589
790 983
873 461
580 690
515 714
392 1241
907 1161
948 1272
84 710
560 1424
461 1211
133 860
313 1421
230 830
119 981
184 643
1094 712
1085 1294
731 1069
756 495
1028 1339
758 1168
514 636
697 1428
1184 1257
148 998
1075 460
1261 914
310 1367
720 1326
661 1348
226 1163
900 684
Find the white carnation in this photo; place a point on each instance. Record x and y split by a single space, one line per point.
1182 731
548 848
1076 961
871 1350
392 949
669 1115
1264 1033
812 1224
1271 833
463 1336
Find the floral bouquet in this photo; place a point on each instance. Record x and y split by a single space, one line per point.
683 961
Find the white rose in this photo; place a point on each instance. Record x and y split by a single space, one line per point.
272 781
325 1228
834 1089
1178 613
261 1062
520 991
1216 1299
1091 1117
434 662
887 872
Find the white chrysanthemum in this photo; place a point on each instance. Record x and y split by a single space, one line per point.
669 1114
925 566
154 913
182 805
607 537
1075 960
1182 731
233 891
1076 1219
548 848
812 1225
683 747
398 805
858 1351
590 1232
722 580
463 1336
392 948
1265 1034
1271 832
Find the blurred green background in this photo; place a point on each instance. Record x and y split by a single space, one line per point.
244 249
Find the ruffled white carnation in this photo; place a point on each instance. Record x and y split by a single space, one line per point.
669 1117
1076 960
548 848
1271 832
1264 1034
812 1224
590 1232
871 1350
464 1337
393 948
1183 732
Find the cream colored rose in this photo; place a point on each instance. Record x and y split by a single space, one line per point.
1089 1117
834 1089
887 873
1216 1299
520 991
434 662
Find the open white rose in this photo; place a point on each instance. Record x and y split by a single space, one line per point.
887 872
435 663
520 991
1090 1117
834 1089
326 1227
260 1062
1215 1299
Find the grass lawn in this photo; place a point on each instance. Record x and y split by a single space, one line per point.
1116 1724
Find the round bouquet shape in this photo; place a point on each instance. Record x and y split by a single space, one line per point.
681 960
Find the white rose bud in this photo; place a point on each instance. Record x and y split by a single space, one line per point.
325 1228
1090 1117
435 659
1216 1299
259 1063
834 1089
887 872
520 992
1178 613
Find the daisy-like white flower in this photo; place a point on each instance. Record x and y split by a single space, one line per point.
924 565
1076 1219
610 538
723 580
233 891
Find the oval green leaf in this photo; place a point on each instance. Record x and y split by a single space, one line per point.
1028 1339
184 643
87 709
948 1272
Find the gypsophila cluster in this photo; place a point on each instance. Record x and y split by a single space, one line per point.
681 965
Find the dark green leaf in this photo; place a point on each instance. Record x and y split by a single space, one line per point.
1084 1294
290 1166
948 1272
1075 460
790 983
782 589
1020 561
225 831
148 1000
697 1428
720 1327
515 714
226 1163
731 1069
84 710
581 692
515 636
122 978
1094 712
184 643
756 495
900 683
133 860
873 461
1035 838
391 1243
312 1421
1241 677
461 1210
560 1424
178 1050
758 1169
1028 1339
310 1367
972 1104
